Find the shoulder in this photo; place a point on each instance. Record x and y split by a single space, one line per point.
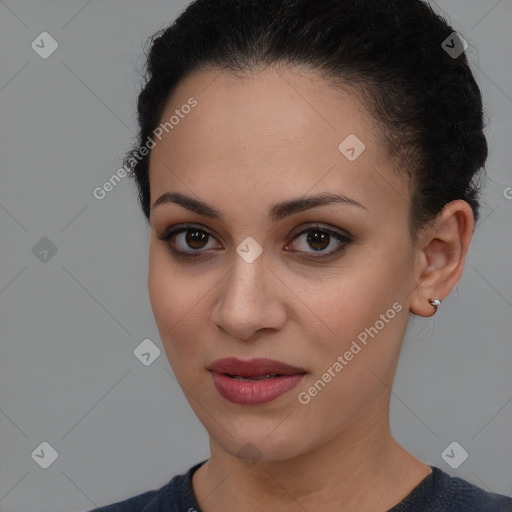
139 502
441 492
176 495
467 496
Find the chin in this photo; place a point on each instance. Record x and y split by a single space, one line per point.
257 450
255 441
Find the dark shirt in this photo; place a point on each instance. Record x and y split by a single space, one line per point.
437 492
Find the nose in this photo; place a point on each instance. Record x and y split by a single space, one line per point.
249 302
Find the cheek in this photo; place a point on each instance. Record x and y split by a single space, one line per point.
363 313
178 297
367 318
355 301
161 288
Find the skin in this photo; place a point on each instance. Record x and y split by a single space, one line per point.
251 141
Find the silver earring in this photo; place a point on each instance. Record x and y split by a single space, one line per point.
436 303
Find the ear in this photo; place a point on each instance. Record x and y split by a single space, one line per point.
441 251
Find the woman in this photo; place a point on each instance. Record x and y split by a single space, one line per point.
308 172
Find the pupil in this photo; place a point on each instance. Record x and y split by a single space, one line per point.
317 237
196 237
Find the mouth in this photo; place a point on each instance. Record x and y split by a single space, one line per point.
254 369
253 379
253 382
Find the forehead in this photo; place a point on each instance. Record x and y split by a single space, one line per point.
278 129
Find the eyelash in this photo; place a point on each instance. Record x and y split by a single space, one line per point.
171 233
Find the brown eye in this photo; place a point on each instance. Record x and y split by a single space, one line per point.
192 242
320 239
187 241
196 238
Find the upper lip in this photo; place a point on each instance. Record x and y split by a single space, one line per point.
253 368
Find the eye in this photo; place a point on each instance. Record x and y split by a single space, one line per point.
319 239
190 241
186 238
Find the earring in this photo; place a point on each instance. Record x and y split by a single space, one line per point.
436 303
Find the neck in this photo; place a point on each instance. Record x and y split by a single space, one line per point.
362 468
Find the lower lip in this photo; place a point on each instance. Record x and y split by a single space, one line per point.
256 392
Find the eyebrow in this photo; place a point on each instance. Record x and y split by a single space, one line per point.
277 211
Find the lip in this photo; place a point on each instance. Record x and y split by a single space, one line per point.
253 368
254 392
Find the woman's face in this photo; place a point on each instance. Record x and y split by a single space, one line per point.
277 283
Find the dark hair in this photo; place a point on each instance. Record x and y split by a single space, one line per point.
389 53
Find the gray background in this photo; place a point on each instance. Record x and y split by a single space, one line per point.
69 326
